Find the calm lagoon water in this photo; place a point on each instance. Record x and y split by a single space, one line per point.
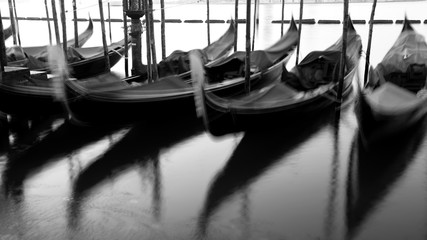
175 181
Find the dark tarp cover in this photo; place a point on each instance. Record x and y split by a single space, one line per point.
233 66
410 48
317 68
178 61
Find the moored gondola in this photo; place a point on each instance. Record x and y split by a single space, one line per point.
33 57
283 96
393 100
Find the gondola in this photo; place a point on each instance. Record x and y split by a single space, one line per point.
169 98
392 100
83 62
23 56
283 96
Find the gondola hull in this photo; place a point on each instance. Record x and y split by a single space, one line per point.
377 124
222 121
147 104
27 101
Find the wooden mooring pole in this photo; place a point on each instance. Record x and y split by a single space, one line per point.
109 23
248 47
236 22
76 31
208 22
64 28
147 35
368 48
12 22
48 21
17 23
301 8
283 18
3 59
162 27
343 52
126 34
256 22
152 40
104 38
55 22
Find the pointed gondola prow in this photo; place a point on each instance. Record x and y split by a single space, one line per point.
407 25
292 25
350 25
198 77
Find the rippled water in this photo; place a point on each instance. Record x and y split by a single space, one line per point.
307 181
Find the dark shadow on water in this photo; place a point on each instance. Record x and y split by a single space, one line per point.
257 153
52 145
373 173
139 148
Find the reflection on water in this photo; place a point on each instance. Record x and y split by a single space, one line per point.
139 148
374 172
54 146
256 153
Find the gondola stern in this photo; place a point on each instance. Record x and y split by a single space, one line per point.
407 24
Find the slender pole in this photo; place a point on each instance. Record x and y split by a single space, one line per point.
55 22
76 31
283 17
152 41
248 47
17 23
12 22
147 35
162 27
48 22
301 6
125 29
64 27
104 40
236 16
256 22
109 22
208 22
3 59
343 51
368 49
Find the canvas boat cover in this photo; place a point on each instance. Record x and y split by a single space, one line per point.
178 61
19 56
260 59
409 48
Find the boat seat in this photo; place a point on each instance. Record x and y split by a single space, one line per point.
413 79
312 76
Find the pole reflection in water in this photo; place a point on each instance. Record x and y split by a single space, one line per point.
257 153
334 181
139 148
372 174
